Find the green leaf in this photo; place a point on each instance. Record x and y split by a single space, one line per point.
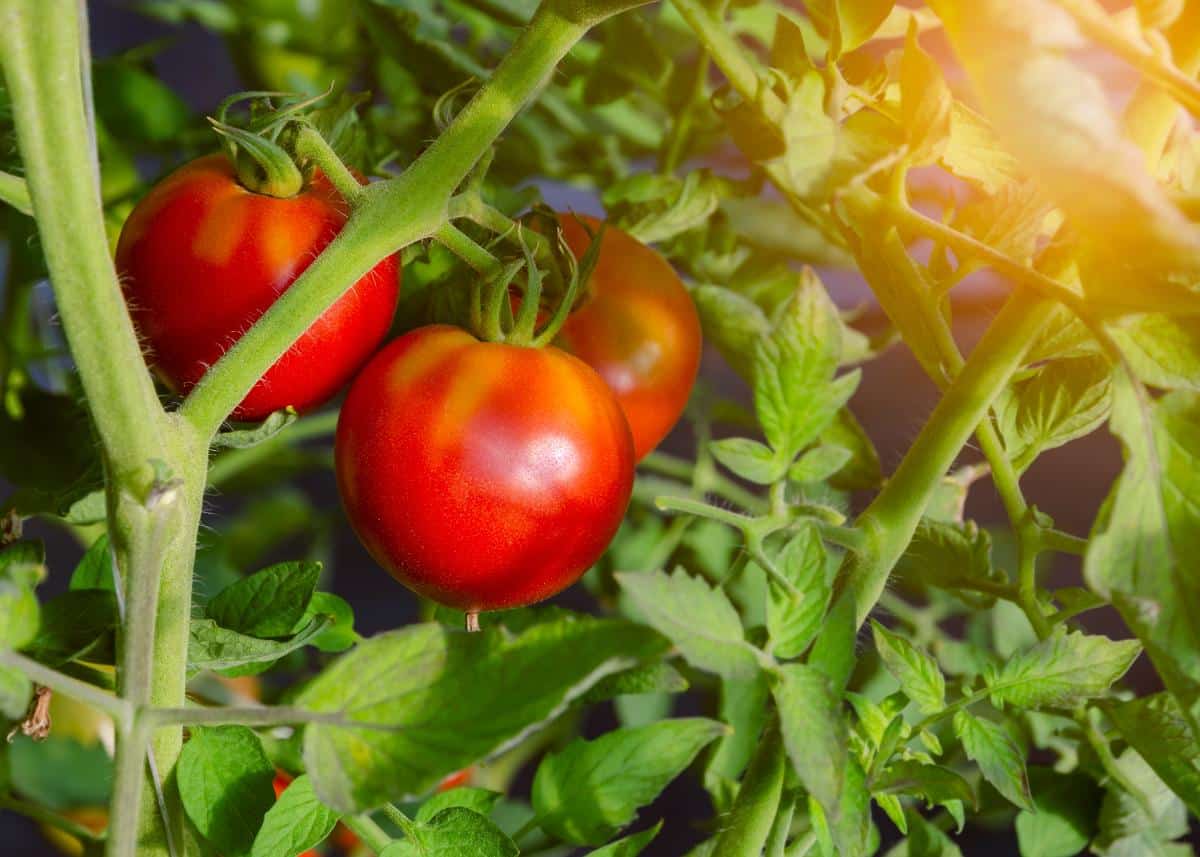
948 554
925 99
814 733
859 19
1144 541
819 463
268 603
15 692
733 323
1054 404
924 840
476 800
973 152
749 459
591 789
793 622
95 570
339 634
673 206
696 618
225 782
1065 819
999 758
21 569
296 822
863 469
79 624
915 669
805 154
1163 350
1061 670
248 437
37 771
629 846
211 647
657 677
795 394
454 832
48 454
1126 830
742 705
788 51
935 784
138 103
1156 728
489 689
849 831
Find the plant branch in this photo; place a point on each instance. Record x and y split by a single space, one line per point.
465 248
15 192
258 715
114 706
372 835
312 146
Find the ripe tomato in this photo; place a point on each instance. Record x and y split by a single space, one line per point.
482 475
638 328
202 258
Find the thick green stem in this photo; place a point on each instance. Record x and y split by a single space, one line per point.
40 53
372 835
893 516
749 822
312 146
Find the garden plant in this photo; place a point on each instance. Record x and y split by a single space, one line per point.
350 266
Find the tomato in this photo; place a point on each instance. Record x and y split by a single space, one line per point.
482 475
202 258
638 328
456 780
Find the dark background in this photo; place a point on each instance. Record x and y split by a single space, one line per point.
893 402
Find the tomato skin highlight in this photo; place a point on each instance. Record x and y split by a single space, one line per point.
639 329
482 475
201 258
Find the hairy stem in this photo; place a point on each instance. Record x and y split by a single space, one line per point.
114 706
750 821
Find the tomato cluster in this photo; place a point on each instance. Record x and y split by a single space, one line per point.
482 475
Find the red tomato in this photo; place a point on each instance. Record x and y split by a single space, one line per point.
202 258
638 328
456 780
482 475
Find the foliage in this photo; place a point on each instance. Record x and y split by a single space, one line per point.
764 150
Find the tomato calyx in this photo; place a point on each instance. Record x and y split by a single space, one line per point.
263 149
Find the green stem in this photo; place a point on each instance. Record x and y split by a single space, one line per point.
114 706
128 791
40 54
749 823
708 482
781 828
258 715
462 246
396 817
371 834
700 509
310 145
1057 540
1103 751
14 191
44 816
893 516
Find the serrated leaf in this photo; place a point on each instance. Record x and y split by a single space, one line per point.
474 799
211 647
1000 760
1164 351
244 438
916 670
973 152
1056 403
296 822
814 733
455 832
268 603
749 459
795 394
793 619
1061 670
1144 541
733 323
629 846
948 555
937 785
78 624
698 619
1126 829
1010 220
225 782
591 789
924 840
489 689
1156 728
810 136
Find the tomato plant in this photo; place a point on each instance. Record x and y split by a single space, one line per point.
904 569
